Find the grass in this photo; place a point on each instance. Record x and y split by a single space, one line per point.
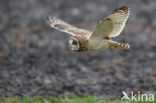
71 99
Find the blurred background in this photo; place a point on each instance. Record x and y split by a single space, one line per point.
35 59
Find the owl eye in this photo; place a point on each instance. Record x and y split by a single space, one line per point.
74 43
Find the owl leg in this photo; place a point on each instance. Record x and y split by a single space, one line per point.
115 45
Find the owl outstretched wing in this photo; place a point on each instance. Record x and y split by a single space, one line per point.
67 28
112 25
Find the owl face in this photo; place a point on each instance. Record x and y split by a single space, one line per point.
74 44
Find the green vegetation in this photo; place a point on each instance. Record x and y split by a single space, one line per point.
71 99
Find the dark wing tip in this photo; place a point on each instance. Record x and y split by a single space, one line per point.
123 8
60 26
50 19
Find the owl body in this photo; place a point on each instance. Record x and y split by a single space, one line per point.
100 38
79 43
94 45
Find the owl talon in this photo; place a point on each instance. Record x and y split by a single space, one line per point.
123 45
119 45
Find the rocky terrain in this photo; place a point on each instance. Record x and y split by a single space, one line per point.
35 59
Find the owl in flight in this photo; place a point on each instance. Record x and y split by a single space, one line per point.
100 38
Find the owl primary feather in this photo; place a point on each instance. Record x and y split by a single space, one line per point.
100 38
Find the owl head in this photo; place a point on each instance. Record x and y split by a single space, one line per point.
74 44
77 44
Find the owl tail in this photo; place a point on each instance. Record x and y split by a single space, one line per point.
115 45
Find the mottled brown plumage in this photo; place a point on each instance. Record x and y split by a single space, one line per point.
100 38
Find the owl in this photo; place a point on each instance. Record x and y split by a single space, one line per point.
101 37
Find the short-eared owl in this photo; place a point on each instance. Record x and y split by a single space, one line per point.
100 38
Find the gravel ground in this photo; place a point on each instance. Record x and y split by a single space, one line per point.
35 59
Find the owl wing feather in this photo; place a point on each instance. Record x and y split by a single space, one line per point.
112 25
67 28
